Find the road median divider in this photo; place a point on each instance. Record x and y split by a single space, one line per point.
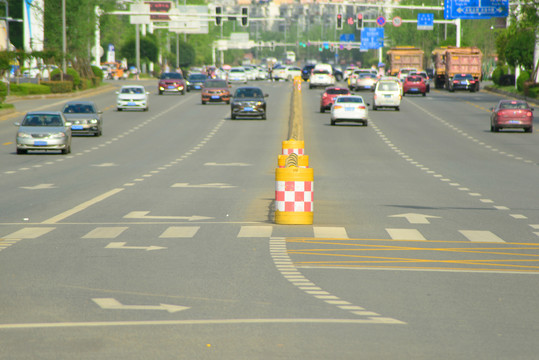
294 180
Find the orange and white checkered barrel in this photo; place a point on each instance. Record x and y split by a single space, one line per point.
294 189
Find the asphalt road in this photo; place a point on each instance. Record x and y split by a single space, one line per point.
157 239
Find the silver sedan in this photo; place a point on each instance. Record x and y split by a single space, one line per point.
44 130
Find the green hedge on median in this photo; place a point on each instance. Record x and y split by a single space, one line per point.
29 89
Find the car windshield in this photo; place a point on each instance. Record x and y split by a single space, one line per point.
337 91
197 77
414 78
346 99
132 91
171 76
237 71
367 76
42 120
79 109
215 83
248 93
321 72
514 105
388 86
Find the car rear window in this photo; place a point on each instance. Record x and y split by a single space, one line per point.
388 86
414 78
350 99
214 83
337 91
514 105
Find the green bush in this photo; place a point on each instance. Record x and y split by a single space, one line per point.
29 89
97 71
498 72
76 77
3 91
533 92
59 87
523 77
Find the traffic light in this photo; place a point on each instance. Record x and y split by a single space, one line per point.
359 22
244 16
339 21
218 18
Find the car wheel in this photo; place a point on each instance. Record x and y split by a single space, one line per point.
365 123
21 151
528 129
160 93
67 150
263 117
233 117
183 92
228 102
424 94
146 108
451 90
495 129
397 108
332 122
203 103
119 109
322 110
374 107
403 94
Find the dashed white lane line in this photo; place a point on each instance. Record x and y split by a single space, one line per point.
286 267
405 234
445 179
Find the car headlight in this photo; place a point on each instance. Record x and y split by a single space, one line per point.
23 135
93 121
58 135
259 103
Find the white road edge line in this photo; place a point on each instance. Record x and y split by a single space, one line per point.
81 207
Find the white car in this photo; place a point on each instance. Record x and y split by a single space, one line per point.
251 72
291 72
132 97
387 94
350 108
321 78
237 74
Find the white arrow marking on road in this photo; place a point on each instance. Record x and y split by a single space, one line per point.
416 218
212 185
143 215
105 165
113 304
226 164
39 187
121 245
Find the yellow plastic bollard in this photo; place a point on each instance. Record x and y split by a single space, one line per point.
293 146
294 189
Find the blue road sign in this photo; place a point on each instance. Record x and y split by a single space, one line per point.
475 9
372 38
347 37
425 21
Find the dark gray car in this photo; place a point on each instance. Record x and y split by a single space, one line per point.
85 117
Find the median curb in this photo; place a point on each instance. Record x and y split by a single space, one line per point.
516 96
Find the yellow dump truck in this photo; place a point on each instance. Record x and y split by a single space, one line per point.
404 57
452 60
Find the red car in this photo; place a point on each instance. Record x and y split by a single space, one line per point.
511 114
171 82
329 95
414 84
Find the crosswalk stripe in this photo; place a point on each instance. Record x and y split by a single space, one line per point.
180 232
255 231
29 233
481 236
405 234
105 232
330 232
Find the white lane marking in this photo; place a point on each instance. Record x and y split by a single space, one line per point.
405 234
29 233
226 164
212 185
279 253
121 245
373 320
39 187
518 216
180 232
144 215
113 304
82 206
255 231
481 236
105 232
416 218
330 232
